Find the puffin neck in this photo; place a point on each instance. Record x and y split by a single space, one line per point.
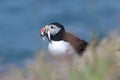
58 36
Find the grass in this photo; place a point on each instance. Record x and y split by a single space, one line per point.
101 61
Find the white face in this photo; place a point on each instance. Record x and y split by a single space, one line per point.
52 29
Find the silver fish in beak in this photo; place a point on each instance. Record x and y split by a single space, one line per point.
44 32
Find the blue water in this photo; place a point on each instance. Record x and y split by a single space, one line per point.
21 20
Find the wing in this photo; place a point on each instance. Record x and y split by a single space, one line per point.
78 44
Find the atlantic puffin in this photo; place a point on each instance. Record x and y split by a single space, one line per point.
62 42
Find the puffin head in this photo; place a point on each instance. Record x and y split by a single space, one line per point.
52 31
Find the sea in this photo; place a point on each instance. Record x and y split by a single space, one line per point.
21 21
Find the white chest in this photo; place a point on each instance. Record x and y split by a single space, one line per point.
60 47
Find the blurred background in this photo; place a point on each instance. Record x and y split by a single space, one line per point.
21 20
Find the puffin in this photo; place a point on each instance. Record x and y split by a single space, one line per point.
62 42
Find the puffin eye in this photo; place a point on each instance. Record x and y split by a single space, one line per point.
52 27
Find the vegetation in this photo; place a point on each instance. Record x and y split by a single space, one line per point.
101 61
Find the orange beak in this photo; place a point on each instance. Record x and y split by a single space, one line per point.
42 33
42 30
45 32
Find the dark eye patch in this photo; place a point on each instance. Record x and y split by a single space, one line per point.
52 27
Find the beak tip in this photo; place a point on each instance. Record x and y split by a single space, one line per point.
41 33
